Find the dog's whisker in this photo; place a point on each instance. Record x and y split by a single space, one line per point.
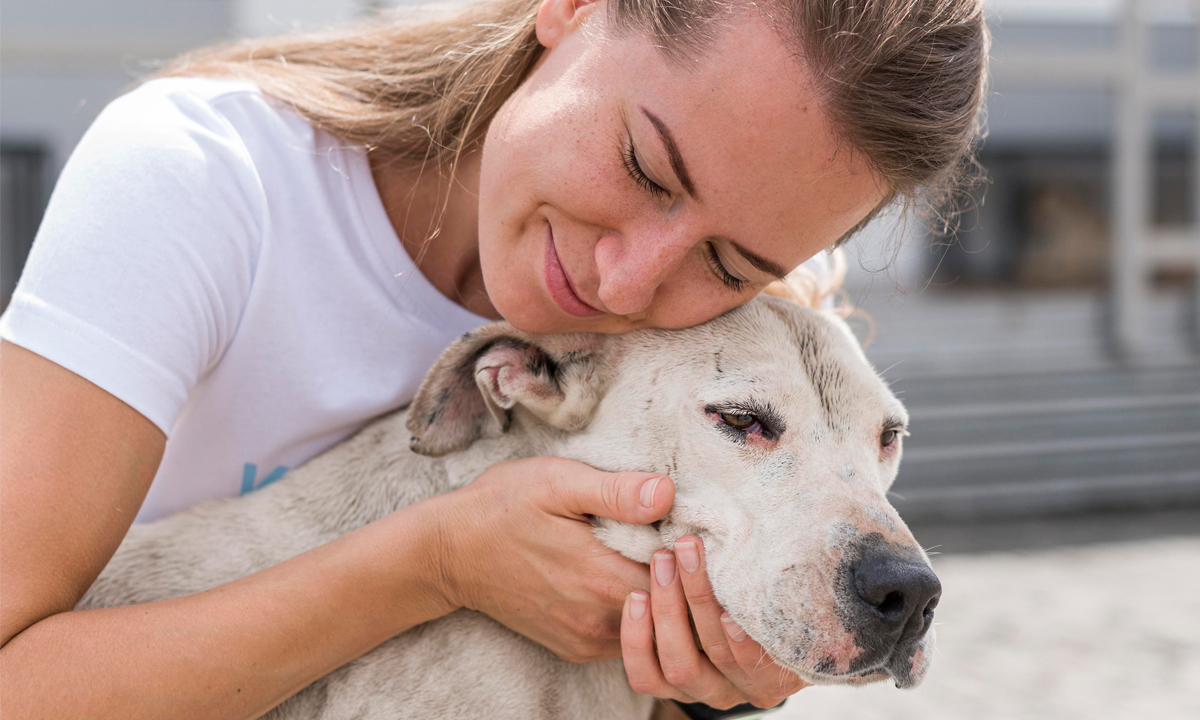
762 655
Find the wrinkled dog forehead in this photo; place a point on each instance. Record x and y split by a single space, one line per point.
772 350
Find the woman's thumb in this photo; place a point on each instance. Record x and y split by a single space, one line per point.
632 497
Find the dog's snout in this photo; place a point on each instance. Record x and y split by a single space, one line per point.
897 596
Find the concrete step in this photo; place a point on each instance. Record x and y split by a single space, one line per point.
1029 432
938 335
1029 469
1053 443
932 395
1061 496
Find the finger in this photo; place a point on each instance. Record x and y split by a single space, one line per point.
682 663
637 650
612 580
576 489
770 684
612 574
706 611
763 680
626 575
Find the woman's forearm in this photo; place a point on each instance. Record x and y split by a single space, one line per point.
239 649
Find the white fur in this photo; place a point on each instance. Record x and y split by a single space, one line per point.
777 518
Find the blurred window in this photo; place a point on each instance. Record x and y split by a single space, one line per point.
1042 219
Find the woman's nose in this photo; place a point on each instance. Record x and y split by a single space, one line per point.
631 269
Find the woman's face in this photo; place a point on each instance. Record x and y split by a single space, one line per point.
620 189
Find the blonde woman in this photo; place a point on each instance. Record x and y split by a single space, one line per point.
253 254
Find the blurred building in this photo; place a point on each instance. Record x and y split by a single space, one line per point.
1049 356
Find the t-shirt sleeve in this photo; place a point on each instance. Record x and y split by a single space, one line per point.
146 254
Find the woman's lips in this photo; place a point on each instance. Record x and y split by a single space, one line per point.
559 284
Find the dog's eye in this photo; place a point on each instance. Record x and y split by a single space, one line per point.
738 421
889 437
743 421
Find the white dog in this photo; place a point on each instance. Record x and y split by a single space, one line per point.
782 442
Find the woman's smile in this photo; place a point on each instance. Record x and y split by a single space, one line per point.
562 290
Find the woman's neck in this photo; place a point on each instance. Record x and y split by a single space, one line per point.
438 224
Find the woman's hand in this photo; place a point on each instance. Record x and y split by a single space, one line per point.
661 657
517 544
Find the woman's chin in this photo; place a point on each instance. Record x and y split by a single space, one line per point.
536 316
543 320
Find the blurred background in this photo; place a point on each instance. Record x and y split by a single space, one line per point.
1049 355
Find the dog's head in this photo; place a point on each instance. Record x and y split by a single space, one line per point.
782 442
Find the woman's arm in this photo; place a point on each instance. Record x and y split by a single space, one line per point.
75 464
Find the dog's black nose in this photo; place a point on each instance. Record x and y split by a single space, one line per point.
897 596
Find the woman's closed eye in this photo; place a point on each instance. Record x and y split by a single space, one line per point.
735 284
634 168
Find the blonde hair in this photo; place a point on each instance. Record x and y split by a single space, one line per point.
806 287
903 80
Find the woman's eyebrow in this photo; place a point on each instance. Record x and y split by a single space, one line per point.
770 267
673 154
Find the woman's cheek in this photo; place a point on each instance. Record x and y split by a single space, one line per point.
690 298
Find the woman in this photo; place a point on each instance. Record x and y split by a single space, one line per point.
249 257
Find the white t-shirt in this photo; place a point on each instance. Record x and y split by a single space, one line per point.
230 272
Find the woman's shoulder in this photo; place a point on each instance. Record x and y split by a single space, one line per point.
226 106
204 88
201 127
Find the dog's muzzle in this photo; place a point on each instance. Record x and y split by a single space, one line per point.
889 595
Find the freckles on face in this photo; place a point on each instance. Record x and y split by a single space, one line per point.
545 156
655 182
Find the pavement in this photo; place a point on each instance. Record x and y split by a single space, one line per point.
1099 631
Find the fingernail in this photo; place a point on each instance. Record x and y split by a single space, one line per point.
664 568
637 605
646 496
732 629
689 559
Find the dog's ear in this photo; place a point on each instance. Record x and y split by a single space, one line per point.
478 380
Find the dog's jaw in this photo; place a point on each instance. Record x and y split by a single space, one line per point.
640 542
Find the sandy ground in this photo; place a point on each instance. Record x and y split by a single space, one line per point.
1107 632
